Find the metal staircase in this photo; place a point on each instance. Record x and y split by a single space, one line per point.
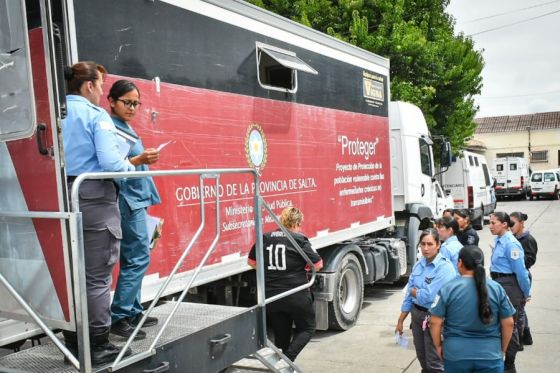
190 337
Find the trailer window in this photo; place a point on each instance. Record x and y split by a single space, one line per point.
17 104
425 158
486 174
277 68
513 166
476 161
471 162
499 167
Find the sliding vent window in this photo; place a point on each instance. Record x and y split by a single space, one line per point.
277 68
17 105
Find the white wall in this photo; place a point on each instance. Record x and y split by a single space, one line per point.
508 142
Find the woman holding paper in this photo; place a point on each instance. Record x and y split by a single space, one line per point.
136 195
91 145
428 275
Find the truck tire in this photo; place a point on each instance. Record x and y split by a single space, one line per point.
556 194
348 294
478 224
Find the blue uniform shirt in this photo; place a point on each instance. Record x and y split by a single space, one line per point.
465 335
450 250
427 278
90 142
508 258
137 192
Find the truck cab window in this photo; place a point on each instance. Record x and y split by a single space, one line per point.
17 104
425 158
277 68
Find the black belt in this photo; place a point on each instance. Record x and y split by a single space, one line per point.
424 309
496 275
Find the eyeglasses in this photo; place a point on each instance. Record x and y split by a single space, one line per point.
130 103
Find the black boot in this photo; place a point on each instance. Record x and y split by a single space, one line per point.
103 351
509 364
527 337
71 342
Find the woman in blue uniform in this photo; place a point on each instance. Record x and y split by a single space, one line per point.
530 249
508 269
428 275
476 317
90 145
135 196
447 228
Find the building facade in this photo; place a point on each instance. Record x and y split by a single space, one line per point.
532 136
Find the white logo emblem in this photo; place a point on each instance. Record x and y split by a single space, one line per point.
515 254
256 148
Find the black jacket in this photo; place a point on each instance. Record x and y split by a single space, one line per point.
530 248
468 236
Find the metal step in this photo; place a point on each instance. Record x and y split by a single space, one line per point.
186 343
268 359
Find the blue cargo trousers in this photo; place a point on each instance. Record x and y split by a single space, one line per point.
134 261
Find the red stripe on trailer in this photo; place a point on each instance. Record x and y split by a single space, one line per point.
37 176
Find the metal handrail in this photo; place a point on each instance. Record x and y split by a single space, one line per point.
30 311
83 333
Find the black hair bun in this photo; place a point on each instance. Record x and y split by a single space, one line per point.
68 73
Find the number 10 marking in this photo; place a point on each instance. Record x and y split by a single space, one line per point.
277 257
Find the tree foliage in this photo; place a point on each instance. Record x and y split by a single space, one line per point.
430 66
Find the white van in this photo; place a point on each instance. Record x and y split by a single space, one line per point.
469 182
512 177
545 183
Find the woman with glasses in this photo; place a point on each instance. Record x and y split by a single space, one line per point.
530 249
476 317
136 195
428 275
91 145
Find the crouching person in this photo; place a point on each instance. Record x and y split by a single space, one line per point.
285 269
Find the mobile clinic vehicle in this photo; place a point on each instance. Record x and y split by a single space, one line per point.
545 183
512 177
256 111
469 182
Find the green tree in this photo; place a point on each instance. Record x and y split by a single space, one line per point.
431 67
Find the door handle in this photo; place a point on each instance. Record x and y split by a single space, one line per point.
163 367
42 139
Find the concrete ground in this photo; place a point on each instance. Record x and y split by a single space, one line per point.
370 345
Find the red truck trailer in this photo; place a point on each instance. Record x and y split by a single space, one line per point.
255 111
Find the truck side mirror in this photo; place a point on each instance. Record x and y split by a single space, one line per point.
445 154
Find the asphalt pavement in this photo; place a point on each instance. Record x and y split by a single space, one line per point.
370 345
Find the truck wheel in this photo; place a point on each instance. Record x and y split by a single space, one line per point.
478 223
556 194
348 294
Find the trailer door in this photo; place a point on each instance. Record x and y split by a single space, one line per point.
33 254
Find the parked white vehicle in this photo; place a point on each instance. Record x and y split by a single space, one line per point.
512 176
545 183
469 182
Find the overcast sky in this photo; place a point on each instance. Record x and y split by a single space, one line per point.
522 61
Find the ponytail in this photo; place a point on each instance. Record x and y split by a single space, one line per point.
484 311
473 259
